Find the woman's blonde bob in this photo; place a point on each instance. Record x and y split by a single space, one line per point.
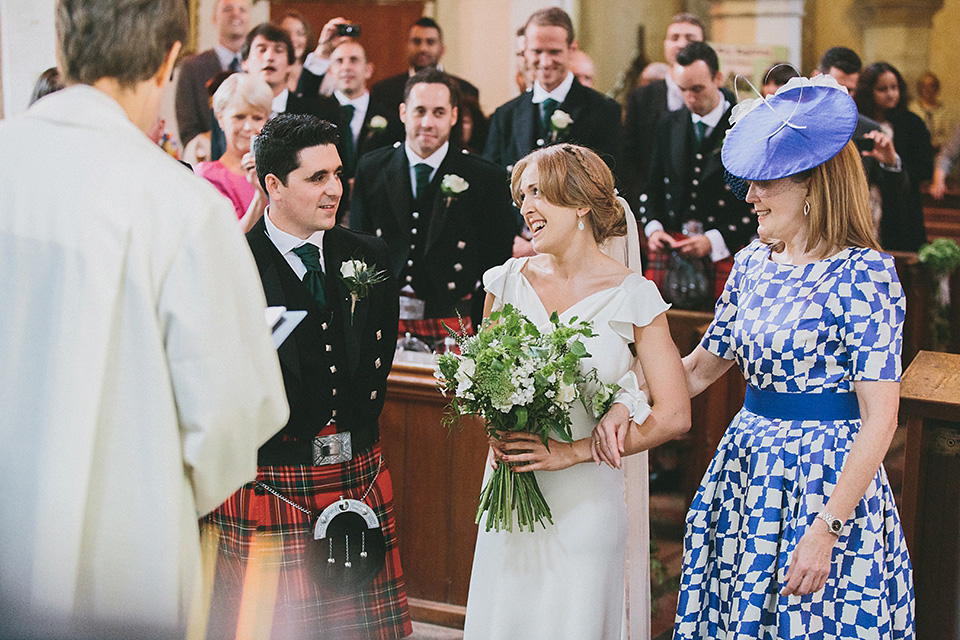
243 89
575 177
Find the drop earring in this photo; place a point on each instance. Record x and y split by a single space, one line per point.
806 207
580 224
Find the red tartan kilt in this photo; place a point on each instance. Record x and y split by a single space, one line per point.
657 268
431 330
378 612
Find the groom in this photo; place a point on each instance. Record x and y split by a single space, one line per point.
334 365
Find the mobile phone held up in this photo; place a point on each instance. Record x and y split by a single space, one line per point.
350 30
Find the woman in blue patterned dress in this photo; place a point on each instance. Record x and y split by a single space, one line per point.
794 532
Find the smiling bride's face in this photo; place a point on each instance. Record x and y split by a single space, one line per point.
553 227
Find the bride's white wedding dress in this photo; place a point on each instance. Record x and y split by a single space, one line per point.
569 580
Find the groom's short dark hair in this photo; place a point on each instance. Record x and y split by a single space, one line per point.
277 148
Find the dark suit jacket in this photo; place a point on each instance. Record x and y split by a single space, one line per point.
192 103
369 139
464 237
645 106
389 93
686 183
514 126
361 347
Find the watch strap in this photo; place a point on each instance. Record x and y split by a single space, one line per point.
834 525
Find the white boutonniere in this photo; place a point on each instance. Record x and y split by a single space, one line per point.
359 278
453 185
378 123
560 121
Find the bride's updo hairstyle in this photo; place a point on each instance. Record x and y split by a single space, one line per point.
575 177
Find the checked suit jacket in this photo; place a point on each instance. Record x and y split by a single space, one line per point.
362 346
457 242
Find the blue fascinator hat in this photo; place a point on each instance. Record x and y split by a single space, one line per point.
807 122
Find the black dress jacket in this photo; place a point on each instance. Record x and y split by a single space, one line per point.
686 183
443 248
334 363
516 130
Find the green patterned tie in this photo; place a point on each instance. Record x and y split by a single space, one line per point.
701 130
422 172
549 106
314 279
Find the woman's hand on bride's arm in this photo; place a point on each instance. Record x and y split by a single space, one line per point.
609 434
528 453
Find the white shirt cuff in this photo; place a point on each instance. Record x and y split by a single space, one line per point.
653 225
893 168
718 248
315 64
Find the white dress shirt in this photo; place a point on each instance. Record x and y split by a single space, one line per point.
286 243
433 160
559 92
360 106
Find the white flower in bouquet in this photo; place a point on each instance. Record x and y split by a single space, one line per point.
465 372
568 393
378 123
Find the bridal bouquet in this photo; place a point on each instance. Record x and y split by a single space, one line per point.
519 379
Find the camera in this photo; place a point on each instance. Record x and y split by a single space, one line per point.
863 144
351 30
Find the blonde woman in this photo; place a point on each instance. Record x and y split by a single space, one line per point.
241 106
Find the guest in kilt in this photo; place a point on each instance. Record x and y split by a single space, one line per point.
286 568
687 211
444 213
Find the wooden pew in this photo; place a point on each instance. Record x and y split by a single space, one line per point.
942 217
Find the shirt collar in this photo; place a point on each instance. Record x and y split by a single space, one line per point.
360 104
674 95
712 119
434 159
285 243
225 55
279 104
559 93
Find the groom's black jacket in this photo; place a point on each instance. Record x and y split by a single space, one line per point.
332 362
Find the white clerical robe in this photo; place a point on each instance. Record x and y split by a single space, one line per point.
137 375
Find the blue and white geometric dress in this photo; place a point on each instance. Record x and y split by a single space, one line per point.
797 329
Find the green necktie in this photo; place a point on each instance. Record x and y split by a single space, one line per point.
314 279
701 130
422 172
549 106
349 148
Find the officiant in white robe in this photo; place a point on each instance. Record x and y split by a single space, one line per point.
137 374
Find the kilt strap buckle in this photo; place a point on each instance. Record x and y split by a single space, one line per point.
332 449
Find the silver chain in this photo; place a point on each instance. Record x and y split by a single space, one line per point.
293 504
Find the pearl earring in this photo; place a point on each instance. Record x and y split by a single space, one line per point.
806 208
580 224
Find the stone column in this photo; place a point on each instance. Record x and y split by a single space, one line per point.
898 32
763 22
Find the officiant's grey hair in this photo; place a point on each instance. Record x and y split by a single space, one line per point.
123 39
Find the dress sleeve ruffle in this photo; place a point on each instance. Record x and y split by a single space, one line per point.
639 306
495 280
718 338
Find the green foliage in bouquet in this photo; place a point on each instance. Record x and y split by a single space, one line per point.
518 378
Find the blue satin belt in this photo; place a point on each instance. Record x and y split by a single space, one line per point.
825 406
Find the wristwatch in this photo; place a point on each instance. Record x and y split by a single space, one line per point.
835 525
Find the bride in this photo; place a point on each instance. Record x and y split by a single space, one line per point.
567 579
